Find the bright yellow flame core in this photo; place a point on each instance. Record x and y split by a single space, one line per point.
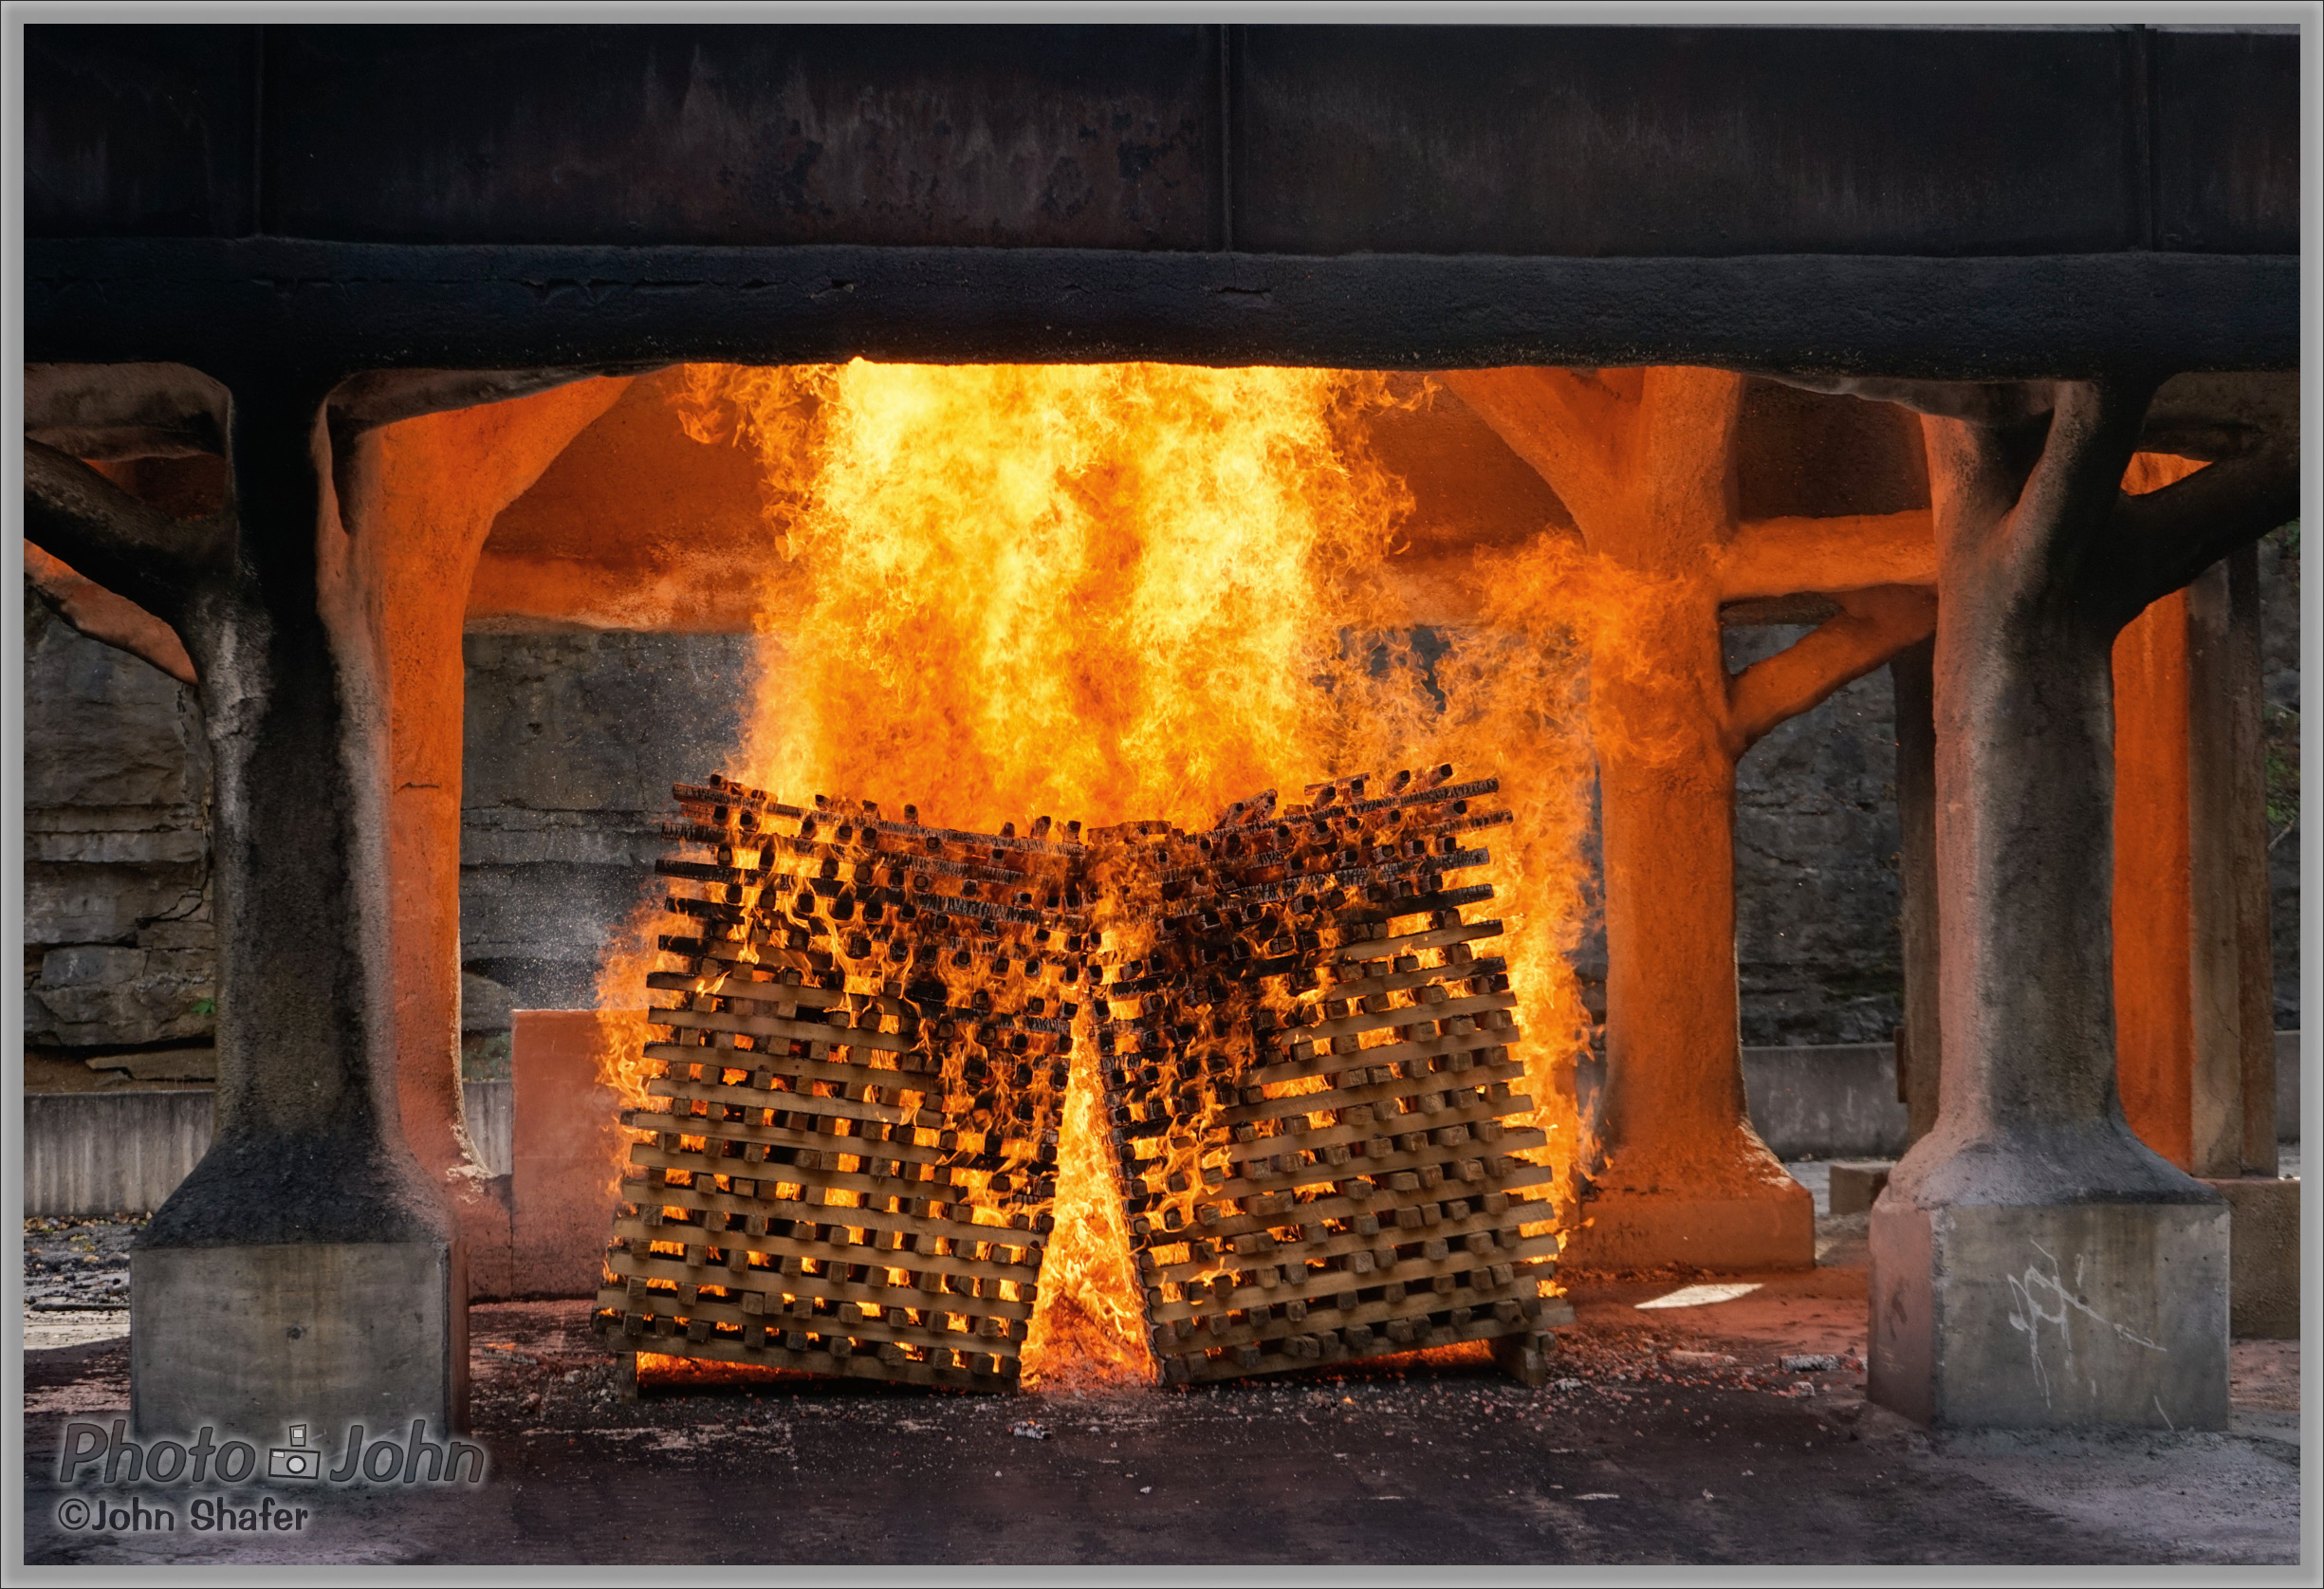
1097 591
1121 592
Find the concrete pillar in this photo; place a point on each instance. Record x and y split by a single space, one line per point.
2193 971
1683 1176
1920 1042
306 1270
1645 460
2033 1263
421 495
567 1152
2154 1039
2234 952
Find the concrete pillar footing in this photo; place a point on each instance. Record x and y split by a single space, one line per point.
1768 1225
254 1338
2051 1314
2263 1278
1856 1184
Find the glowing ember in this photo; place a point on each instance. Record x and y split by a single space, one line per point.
850 1164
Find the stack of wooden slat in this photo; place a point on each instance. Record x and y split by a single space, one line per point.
1309 1080
856 1096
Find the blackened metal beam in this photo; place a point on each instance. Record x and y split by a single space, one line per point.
311 311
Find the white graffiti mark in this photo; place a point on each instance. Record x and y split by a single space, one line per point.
2044 1299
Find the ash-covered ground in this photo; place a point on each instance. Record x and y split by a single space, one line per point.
1670 1435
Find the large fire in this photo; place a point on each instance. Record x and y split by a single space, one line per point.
1113 592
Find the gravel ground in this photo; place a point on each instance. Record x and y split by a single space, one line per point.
78 1265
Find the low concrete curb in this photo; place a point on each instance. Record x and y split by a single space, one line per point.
95 1153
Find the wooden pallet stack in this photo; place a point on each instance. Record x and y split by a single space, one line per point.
856 1092
866 1029
1310 1086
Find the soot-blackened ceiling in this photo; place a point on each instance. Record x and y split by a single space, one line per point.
1962 202
1269 139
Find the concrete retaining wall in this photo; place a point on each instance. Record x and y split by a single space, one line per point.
491 1121
1826 1100
126 1151
1839 1100
1829 1101
111 1152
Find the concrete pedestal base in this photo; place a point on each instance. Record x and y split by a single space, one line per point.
568 1150
1771 1226
252 1338
2264 1284
1856 1184
2051 1316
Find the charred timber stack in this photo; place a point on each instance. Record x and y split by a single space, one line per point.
1313 1108
1311 1091
865 1069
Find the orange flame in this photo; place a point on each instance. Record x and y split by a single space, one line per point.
1121 592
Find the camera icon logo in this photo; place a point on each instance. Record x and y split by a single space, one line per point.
295 1461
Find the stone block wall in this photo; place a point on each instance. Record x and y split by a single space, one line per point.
573 741
118 939
1817 882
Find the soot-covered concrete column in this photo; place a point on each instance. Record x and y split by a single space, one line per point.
1645 461
1920 1042
2032 1262
307 1270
